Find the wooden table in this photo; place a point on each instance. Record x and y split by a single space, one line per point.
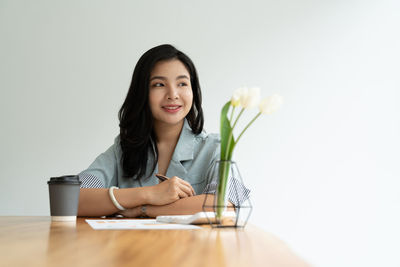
36 241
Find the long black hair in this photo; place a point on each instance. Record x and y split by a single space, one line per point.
137 137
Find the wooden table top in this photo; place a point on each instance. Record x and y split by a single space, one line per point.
36 241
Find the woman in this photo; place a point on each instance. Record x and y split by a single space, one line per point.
161 131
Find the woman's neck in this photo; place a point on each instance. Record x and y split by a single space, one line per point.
166 133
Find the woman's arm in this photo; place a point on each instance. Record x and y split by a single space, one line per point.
97 202
189 205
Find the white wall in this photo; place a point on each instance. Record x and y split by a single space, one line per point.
324 170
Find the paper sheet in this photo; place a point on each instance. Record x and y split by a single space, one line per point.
135 224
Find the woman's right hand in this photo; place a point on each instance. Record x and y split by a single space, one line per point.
170 191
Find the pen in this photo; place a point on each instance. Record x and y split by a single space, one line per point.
161 177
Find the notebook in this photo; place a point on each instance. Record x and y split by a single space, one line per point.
198 218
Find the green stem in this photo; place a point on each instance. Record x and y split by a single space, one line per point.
224 167
247 126
233 110
237 118
228 157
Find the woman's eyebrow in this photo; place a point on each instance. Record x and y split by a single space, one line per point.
164 78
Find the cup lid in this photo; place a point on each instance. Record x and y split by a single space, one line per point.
66 179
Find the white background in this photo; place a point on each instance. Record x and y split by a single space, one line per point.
324 170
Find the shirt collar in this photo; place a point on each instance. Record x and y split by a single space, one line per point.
184 147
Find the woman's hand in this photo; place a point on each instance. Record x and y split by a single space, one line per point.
170 191
131 213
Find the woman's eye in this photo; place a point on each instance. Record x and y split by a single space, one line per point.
161 84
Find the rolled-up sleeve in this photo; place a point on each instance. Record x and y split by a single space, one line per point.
237 192
103 172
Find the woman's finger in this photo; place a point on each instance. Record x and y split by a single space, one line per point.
186 189
188 185
182 194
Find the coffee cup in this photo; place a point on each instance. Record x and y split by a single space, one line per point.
64 197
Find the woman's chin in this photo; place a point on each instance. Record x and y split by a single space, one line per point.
171 120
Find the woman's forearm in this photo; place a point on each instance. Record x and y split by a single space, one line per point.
97 202
188 205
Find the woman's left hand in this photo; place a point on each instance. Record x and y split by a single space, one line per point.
131 213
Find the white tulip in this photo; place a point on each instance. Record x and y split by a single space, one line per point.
270 104
250 97
235 100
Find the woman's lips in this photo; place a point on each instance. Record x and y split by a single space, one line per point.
172 108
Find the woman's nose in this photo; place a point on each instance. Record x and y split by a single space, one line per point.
172 92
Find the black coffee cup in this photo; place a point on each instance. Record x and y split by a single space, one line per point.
64 197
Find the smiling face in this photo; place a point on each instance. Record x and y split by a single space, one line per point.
170 92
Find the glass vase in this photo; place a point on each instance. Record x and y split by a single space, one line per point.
227 202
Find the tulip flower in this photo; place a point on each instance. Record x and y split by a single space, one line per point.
235 100
246 98
250 97
270 104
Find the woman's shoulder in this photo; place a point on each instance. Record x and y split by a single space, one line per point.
204 137
116 146
117 140
207 146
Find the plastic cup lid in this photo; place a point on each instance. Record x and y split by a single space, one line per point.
66 179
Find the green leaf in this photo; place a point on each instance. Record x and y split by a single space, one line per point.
226 130
227 144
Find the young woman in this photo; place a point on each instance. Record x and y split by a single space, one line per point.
161 132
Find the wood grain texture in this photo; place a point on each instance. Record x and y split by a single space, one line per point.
36 241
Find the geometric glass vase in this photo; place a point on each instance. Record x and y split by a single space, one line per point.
226 204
